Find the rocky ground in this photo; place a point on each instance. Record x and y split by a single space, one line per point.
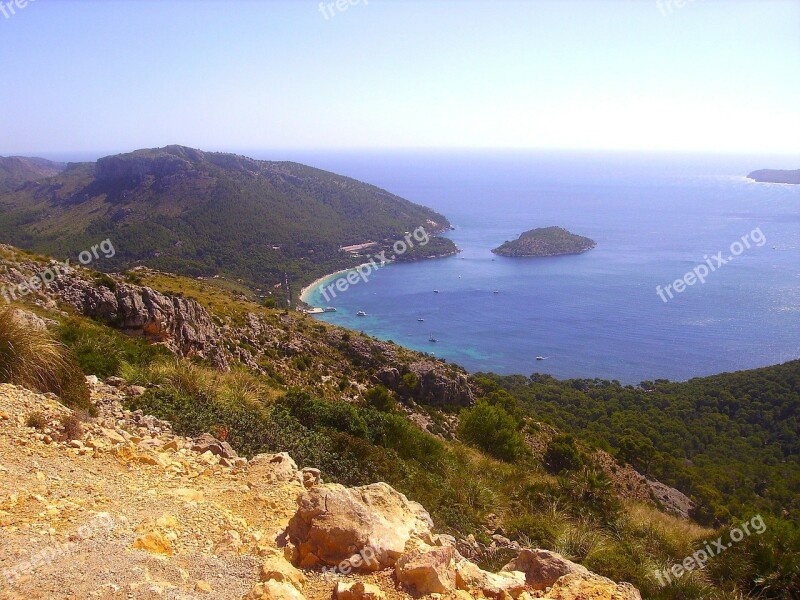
122 508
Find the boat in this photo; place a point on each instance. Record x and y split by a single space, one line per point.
435 291
421 320
432 339
361 313
329 309
497 291
541 358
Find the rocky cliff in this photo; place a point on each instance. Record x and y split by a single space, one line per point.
179 323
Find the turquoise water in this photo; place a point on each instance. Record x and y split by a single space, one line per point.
598 314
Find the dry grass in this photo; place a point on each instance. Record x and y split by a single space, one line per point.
32 358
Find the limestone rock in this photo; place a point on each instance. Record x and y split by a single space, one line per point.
154 543
578 586
277 568
180 323
471 577
311 477
429 570
208 443
274 590
273 468
358 591
543 568
333 523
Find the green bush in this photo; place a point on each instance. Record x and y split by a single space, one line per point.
562 454
102 351
493 430
380 398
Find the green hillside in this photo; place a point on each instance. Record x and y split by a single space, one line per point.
205 214
730 441
17 170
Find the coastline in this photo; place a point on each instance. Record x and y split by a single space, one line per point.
317 282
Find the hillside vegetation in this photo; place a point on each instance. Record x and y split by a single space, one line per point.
730 440
207 214
18 170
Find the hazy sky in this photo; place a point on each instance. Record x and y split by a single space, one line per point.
115 75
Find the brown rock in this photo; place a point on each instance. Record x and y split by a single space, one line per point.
471 577
334 523
542 568
273 468
208 443
577 586
154 543
358 591
277 568
274 590
311 477
429 570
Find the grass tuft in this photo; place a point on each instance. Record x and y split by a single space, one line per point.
32 358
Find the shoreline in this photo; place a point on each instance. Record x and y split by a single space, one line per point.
318 282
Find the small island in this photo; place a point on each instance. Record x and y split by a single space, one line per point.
546 241
775 176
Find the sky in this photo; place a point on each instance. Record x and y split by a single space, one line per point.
103 76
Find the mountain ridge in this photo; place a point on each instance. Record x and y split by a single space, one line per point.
18 170
205 213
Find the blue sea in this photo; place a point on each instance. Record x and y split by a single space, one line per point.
654 217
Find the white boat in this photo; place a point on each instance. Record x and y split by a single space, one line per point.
541 358
361 313
421 320
432 339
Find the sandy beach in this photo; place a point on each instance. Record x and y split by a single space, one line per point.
317 282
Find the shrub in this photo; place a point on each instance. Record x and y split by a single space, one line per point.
71 427
380 398
493 430
36 420
32 358
102 351
106 281
538 531
562 454
410 384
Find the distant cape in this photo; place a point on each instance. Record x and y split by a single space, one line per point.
775 176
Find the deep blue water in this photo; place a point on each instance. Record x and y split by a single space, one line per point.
597 314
